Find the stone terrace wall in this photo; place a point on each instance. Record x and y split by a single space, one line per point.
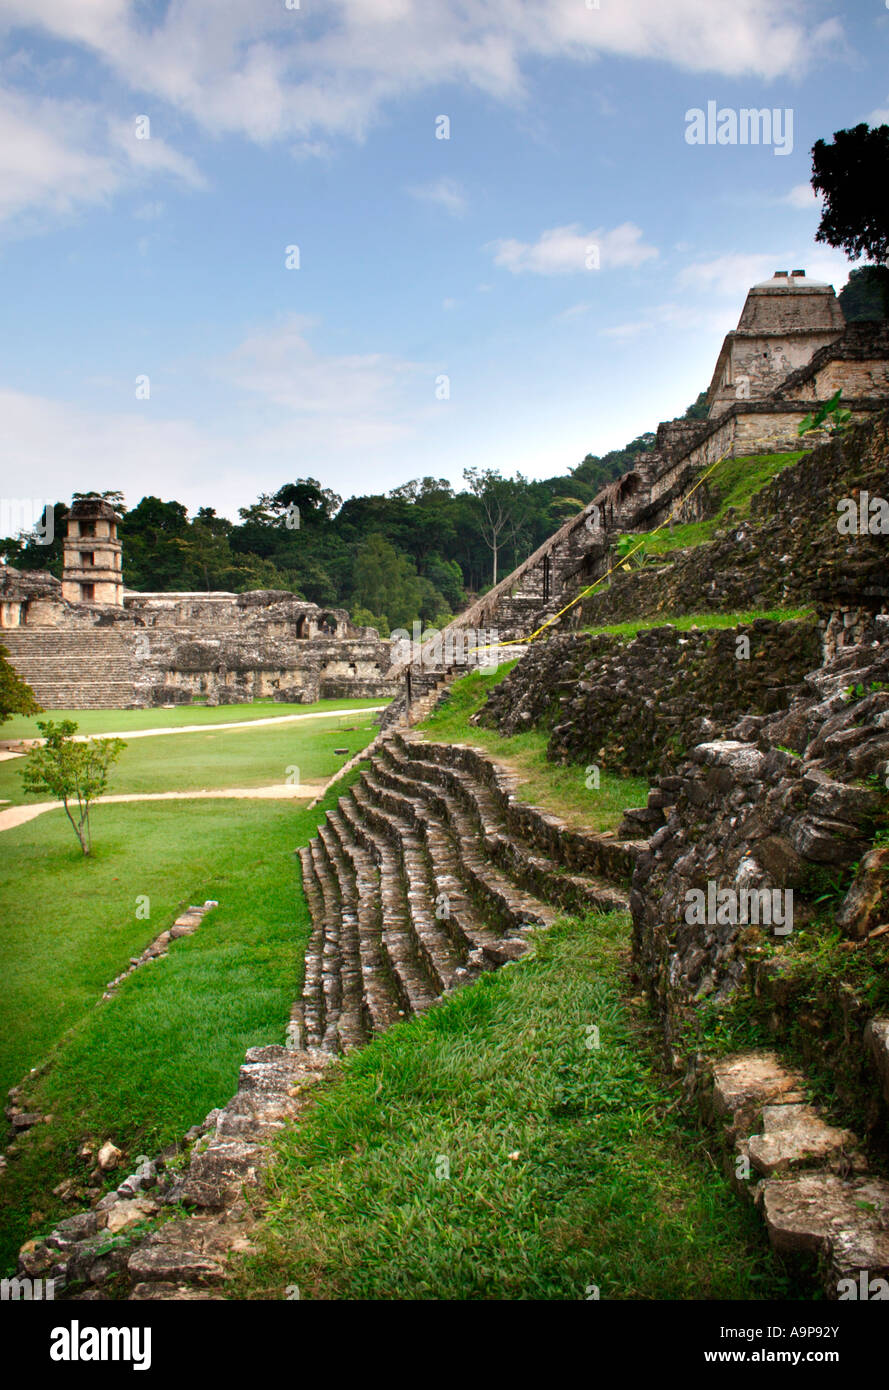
172 665
783 799
788 553
636 707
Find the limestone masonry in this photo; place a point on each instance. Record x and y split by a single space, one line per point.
88 643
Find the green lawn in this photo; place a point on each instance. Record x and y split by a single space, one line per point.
249 757
487 1151
556 787
106 721
145 1065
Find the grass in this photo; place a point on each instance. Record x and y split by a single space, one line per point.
687 621
559 788
486 1151
144 1066
734 484
107 721
248 757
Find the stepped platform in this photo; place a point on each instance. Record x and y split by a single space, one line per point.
88 669
429 872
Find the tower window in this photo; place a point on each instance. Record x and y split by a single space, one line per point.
87 528
87 557
87 592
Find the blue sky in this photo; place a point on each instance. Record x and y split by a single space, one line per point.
419 258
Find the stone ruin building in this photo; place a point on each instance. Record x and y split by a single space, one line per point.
88 643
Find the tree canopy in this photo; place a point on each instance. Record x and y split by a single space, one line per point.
852 176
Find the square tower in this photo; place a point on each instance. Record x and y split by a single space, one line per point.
92 570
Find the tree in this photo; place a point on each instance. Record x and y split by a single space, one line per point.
852 175
74 772
386 583
502 508
29 550
866 296
15 696
698 410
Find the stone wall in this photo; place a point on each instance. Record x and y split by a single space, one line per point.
636 707
175 665
784 799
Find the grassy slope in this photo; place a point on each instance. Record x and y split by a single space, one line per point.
249 757
568 1168
104 721
144 1066
734 483
687 621
555 787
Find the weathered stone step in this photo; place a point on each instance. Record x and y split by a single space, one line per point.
476 943
808 1177
601 854
407 896
515 909
328 978
310 1014
410 987
474 814
369 1002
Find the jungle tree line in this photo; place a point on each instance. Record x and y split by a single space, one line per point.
420 551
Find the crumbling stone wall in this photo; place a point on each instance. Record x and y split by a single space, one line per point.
784 798
636 707
172 648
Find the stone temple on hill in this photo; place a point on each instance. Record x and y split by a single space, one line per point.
89 642
791 349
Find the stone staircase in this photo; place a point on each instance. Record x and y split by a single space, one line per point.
809 1179
428 872
427 686
90 669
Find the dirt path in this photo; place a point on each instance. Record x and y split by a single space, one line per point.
20 815
11 746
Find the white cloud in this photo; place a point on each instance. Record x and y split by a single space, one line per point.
154 155
445 193
274 408
68 448
676 318
45 163
280 365
803 196
267 72
56 156
879 117
566 250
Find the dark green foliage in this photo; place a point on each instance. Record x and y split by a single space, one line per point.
15 696
852 176
866 296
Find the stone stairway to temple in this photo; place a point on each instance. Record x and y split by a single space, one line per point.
86 669
427 873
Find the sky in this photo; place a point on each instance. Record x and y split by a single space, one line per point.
246 241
